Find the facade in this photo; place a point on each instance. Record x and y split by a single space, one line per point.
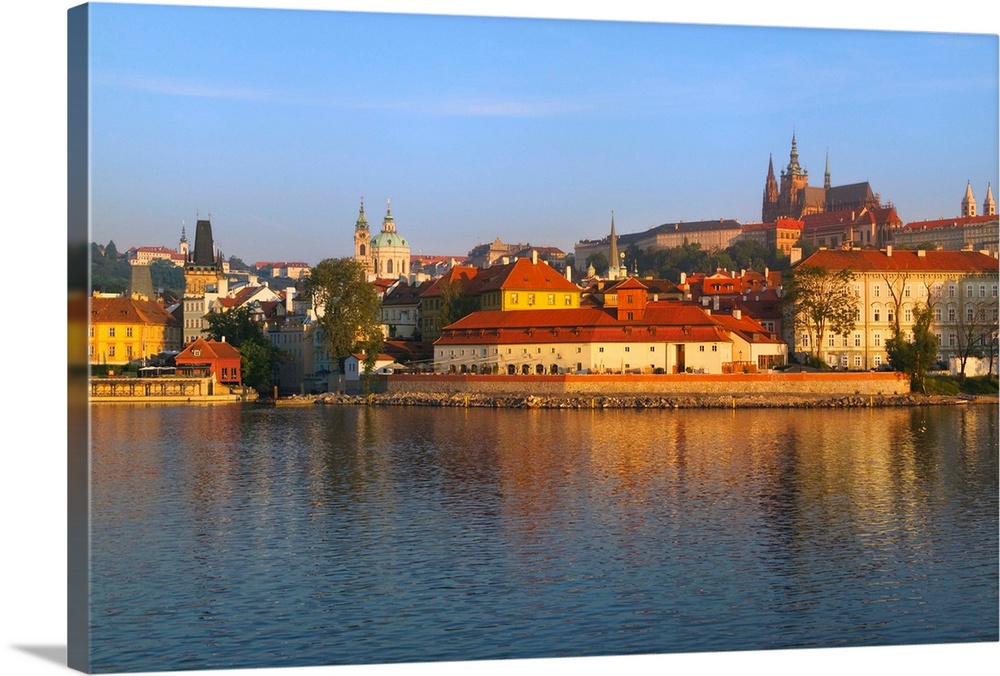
218 358
866 227
977 233
662 337
144 255
779 235
124 330
791 196
400 309
960 287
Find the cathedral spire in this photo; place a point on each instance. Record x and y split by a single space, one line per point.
794 168
826 174
362 222
989 206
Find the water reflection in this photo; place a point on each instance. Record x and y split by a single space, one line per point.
232 537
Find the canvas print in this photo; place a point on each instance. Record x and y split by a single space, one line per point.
408 338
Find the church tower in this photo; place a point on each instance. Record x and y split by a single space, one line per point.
616 262
793 182
989 206
363 241
968 202
769 210
826 174
182 248
390 250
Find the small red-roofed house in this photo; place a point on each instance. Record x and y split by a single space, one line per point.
217 359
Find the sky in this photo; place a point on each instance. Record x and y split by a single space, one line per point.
449 214
275 123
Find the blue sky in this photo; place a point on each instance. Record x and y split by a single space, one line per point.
276 122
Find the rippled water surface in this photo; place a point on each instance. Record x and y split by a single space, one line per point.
236 537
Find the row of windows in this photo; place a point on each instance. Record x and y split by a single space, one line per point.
551 298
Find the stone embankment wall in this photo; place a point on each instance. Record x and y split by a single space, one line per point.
828 384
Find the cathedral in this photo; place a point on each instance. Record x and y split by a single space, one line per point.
793 197
387 254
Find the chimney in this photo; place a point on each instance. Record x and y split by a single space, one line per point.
223 339
534 257
715 303
569 273
289 297
921 253
888 250
795 255
684 278
737 314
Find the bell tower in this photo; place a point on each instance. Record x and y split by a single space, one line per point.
363 241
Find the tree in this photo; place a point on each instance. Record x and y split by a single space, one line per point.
258 357
167 276
238 264
454 303
977 324
914 357
820 300
347 309
599 262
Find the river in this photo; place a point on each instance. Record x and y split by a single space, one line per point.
234 537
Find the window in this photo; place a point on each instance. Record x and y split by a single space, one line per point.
652 348
951 314
701 348
857 361
994 290
878 360
878 315
804 339
877 291
627 349
829 340
968 290
579 350
111 332
715 348
843 341
552 299
857 291
890 315
969 313
982 291
567 299
907 315
937 314
128 331
951 291
878 339
600 349
91 331
951 340
111 351
513 298
857 340
531 299
906 291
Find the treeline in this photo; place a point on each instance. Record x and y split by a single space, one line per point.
670 263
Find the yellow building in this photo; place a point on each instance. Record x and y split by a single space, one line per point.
124 330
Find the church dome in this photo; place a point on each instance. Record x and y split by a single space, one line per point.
389 239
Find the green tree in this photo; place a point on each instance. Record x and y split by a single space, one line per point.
237 264
167 276
347 309
819 300
599 262
454 303
916 355
258 357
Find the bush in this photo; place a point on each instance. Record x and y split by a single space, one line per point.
944 385
980 385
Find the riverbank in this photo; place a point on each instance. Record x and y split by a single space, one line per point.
461 400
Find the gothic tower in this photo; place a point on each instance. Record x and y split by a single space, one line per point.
201 269
793 181
989 206
769 210
968 202
363 241
826 174
182 248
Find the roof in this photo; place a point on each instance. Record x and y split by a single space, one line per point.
210 349
406 294
521 275
949 223
389 239
129 311
663 321
871 260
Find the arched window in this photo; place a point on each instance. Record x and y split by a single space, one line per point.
361 250
388 266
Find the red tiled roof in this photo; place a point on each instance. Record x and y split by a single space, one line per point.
870 260
129 311
521 275
214 349
948 222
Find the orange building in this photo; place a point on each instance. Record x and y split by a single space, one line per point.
211 357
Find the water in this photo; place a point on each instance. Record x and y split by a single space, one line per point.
236 537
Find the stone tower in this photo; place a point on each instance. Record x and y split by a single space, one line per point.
793 181
968 202
202 268
989 206
363 241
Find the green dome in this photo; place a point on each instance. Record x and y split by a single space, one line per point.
389 239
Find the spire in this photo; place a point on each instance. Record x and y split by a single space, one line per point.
793 159
613 259
969 202
362 222
203 244
388 225
770 203
826 174
989 206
